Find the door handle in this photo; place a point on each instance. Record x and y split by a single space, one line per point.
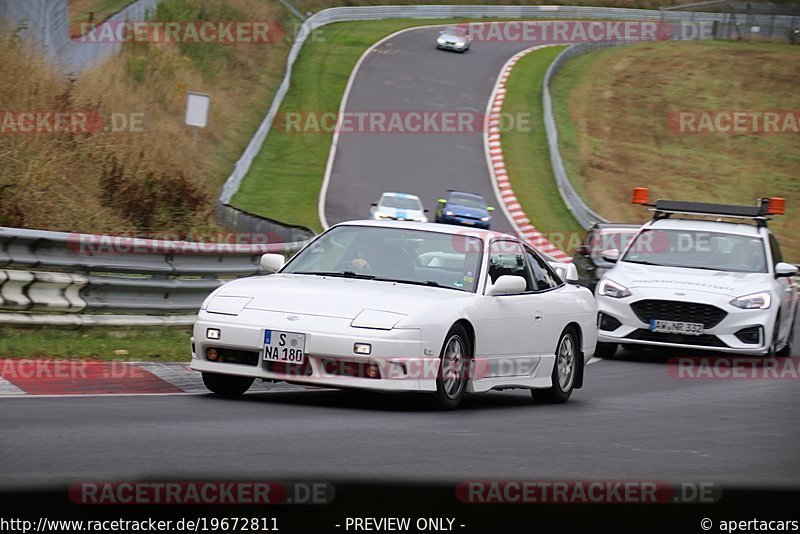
538 316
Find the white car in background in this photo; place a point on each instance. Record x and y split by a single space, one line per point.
700 284
398 207
402 306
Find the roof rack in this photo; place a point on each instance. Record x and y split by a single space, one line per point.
665 208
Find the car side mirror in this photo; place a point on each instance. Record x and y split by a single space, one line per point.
611 255
507 284
272 263
374 204
583 250
426 210
489 208
571 276
785 270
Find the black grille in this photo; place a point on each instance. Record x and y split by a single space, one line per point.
673 310
703 340
244 357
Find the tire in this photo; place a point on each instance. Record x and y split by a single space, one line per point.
564 370
451 380
227 385
605 350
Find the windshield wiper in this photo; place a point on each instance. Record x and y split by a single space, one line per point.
644 262
429 283
342 274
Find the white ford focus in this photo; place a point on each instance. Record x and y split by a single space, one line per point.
402 306
684 282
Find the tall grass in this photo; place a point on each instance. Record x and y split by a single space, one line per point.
154 180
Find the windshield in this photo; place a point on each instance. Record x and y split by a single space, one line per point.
610 239
698 250
393 254
468 201
454 31
401 203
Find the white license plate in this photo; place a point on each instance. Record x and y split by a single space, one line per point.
286 347
676 327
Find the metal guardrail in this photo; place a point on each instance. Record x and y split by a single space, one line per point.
582 213
44 271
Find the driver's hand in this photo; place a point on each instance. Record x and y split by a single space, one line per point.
360 263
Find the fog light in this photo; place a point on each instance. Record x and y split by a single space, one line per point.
362 348
213 333
607 322
212 354
373 371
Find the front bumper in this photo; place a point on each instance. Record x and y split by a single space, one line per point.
465 221
329 351
631 330
459 47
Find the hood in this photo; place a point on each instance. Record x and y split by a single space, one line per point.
401 213
466 211
682 279
332 297
453 37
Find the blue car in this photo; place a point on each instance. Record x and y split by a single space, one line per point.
464 209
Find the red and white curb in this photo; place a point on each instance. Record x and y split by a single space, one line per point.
34 377
497 167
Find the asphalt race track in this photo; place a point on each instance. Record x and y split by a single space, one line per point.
633 420
408 73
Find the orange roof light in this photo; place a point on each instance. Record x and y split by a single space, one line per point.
777 206
641 195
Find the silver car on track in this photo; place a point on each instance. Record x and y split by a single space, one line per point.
453 38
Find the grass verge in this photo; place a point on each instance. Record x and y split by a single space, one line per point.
162 344
285 179
526 155
612 108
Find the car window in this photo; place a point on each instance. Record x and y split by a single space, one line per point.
403 203
507 258
608 239
396 254
469 202
693 249
543 275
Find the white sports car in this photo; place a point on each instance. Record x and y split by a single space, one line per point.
398 207
401 306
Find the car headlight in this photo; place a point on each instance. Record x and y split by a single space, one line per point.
379 215
421 219
449 213
486 219
608 288
440 41
753 301
460 44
